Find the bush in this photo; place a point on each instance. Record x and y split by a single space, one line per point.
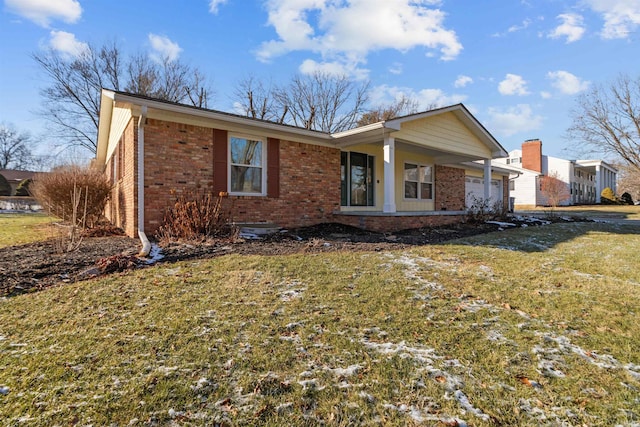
608 197
626 198
482 210
23 187
72 193
194 217
5 188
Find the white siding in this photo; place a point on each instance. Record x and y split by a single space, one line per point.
525 189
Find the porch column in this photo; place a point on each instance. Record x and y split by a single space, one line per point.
598 183
389 174
487 179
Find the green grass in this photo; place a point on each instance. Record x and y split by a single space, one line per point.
16 229
525 327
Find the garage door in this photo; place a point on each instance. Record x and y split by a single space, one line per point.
474 189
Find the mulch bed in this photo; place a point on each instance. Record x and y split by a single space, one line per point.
36 266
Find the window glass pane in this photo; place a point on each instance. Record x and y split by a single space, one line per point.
410 172
410 190
425 171
246 152
425 191
246 179
358 177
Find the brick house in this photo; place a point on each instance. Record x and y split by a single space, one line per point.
401 173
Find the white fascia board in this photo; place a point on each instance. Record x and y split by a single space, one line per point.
107 99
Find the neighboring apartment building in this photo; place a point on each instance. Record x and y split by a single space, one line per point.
585 179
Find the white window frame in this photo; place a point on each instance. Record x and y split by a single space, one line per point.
263 166
419 192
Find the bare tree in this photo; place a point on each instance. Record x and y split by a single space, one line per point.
321 101
256 101
401 107
554 190
628 180
72 101
14 148
607 119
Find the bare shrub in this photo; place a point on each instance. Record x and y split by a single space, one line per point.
482 209
74 194
554 190
196 217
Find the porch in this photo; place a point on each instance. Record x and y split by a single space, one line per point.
411 172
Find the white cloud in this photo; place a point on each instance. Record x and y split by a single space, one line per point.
513 84
513 120
621 17
566 82
214 5
42 12
525 24
164 48
396 68
67 44
462 81
572 27
338 68
427 98
545 95
338 30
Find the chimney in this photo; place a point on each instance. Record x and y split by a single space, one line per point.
532 155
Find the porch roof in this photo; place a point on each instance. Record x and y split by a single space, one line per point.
443 152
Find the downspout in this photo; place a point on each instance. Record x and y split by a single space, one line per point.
146 245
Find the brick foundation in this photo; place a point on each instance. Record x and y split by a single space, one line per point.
392 223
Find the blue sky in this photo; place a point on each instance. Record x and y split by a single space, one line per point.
517 65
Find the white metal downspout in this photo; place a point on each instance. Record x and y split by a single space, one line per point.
146 245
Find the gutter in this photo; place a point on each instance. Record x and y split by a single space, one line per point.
146 245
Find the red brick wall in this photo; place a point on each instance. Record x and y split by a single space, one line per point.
449 189
309 189
532 155
120 209
505 193
179 158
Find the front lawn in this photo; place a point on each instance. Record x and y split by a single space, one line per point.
534 326
19 228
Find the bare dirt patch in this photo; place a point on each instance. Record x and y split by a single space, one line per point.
33 267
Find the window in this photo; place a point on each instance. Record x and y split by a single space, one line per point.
512 185
418 182
247 166
356 174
